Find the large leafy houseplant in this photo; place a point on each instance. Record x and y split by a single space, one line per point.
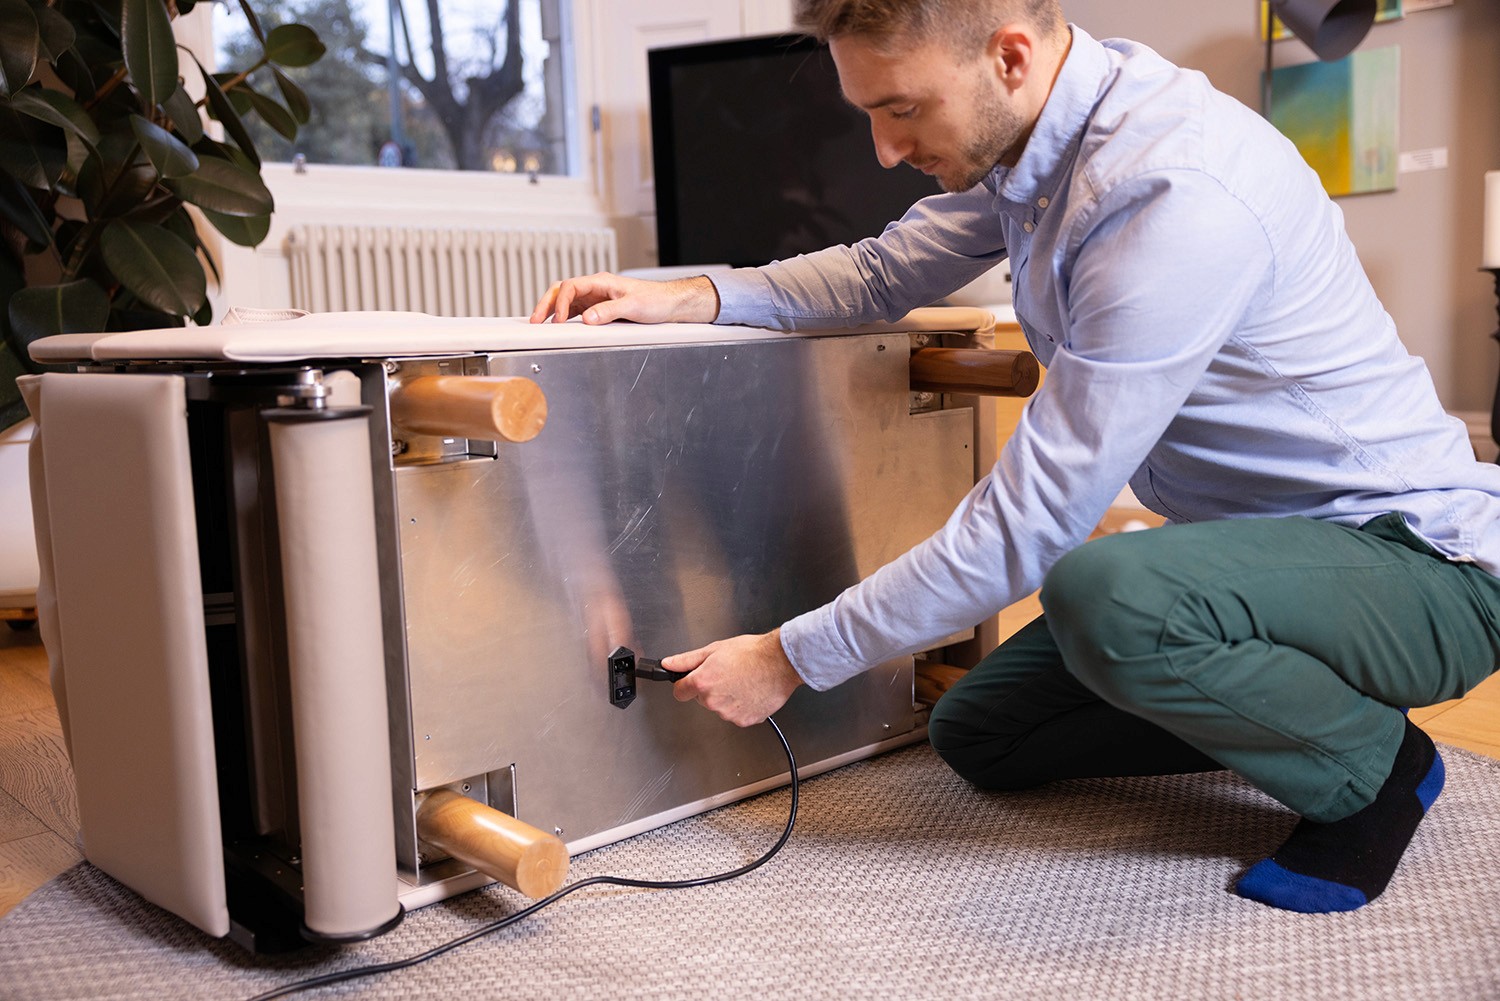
101 151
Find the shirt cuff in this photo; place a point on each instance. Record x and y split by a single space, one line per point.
820 656
744 296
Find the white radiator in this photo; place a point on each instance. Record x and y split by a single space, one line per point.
445 272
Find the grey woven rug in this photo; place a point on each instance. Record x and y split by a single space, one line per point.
900 882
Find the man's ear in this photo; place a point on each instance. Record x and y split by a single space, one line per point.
1011 50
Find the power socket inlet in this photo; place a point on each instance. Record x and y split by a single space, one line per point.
621 677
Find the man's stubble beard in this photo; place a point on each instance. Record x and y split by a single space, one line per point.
997 127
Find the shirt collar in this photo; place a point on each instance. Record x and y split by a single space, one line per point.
1060 126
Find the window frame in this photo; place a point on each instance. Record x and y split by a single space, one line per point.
316 192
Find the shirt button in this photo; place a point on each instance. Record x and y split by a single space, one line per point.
1028 226
1043 202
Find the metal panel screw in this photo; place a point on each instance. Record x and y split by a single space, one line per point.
391 368
397 446
557 831
536 368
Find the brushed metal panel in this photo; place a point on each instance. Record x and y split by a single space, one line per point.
677 496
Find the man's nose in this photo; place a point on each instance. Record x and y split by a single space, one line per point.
891 142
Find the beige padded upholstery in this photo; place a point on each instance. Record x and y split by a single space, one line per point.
378 334
116 501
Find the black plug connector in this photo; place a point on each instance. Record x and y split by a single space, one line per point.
625 668
653 671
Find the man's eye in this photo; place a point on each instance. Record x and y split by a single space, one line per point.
904 112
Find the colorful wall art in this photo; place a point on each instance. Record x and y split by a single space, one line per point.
1343 118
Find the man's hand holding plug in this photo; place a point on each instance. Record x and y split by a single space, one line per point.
743 679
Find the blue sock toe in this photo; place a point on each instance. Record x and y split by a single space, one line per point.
1344 864
1428 789
1268 883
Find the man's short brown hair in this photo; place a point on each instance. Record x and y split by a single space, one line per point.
967 24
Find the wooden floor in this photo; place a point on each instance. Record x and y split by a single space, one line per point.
39 814
38 811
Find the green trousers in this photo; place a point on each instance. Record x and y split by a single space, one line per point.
1280 648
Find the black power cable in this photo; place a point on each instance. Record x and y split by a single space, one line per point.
494 926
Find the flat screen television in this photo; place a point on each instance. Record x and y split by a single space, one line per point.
759 158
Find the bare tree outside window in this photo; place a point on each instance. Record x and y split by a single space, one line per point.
469 84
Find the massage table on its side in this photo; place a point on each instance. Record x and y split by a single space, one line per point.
329 600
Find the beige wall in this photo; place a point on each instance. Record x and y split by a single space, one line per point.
1420 244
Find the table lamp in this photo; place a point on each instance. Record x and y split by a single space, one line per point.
1331 28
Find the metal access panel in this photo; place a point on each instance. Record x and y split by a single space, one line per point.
677 495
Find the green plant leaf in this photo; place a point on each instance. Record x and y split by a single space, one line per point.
254 22
136 315
12 364
20 44
19 209
220 186
165 151
159 207
225 113
160 269
294 45
296 100
32 152
12 280
274 115
119 178
150 49
207 147
55 108
106 15
79 307
247 231
12 407
184 114
239 94
73 71
180 223
57 33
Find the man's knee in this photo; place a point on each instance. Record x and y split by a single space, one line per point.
1082 585
1104 601
978 750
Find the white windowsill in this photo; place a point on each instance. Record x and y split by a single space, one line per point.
427 197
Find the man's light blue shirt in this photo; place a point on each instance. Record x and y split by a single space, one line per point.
1208 333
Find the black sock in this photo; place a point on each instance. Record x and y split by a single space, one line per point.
1345 864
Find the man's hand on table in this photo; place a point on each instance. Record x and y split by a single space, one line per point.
604 297
744 679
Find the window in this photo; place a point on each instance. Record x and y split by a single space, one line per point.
468 84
